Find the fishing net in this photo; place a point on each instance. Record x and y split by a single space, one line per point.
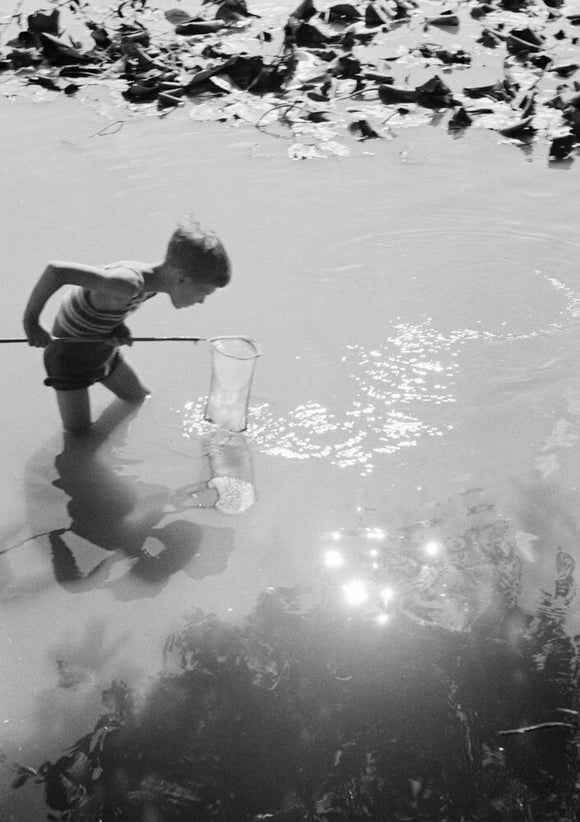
233 363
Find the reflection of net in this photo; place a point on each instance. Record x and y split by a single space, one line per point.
235 495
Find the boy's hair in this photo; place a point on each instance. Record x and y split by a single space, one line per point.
199 253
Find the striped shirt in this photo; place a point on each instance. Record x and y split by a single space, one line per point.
78 317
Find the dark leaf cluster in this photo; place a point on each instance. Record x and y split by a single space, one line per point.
160 68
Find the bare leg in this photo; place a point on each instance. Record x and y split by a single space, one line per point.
75 410
125 384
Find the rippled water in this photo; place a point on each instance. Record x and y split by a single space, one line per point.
402 589
391 374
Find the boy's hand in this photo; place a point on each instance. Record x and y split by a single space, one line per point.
36 334
121 335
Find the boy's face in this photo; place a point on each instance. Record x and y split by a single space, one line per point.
187 292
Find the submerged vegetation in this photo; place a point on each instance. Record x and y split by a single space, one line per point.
318 72
317 712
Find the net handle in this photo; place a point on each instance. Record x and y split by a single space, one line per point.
104 339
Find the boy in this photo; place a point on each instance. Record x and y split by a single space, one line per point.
195 264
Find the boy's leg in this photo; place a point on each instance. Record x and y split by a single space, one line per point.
75 410
125 384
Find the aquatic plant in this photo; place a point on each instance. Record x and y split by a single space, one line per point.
296 76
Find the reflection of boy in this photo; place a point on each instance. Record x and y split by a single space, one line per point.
139 523
195 264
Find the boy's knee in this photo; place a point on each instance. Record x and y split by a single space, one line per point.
141 395
136 394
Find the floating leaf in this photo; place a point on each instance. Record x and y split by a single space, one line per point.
100 36
434 93
459 121
201 76
380 13
306 35
347 66
480 11
564 69
342 13
447 19
304 11
496 91
521 40
178 16
45 82
563 147
58 52
448 57
317 117
200 27
21 58
391 94
79 71
143 92
234 11
307 68
362 130
518 129
489 39
41 21
134 34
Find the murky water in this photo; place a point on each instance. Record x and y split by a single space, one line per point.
402 589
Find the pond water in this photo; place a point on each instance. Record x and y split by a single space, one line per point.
402 589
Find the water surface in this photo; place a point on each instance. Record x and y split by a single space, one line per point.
402 589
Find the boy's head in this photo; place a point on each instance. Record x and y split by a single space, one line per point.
198 255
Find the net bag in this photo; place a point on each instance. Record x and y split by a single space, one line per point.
233 360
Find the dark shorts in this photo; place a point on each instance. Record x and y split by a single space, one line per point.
74 365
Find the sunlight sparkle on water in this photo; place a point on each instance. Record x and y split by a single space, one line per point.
355 592
387 595
377 413
432 549
379 410
333 559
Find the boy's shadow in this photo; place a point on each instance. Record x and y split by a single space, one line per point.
122 515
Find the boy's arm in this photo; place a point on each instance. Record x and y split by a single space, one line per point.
120 283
